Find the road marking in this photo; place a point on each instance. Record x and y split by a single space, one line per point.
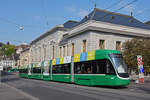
21 92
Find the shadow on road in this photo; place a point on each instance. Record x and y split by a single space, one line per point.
147 90
5 74
108 87
10 79
112 87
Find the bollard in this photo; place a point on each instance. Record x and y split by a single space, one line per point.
141 80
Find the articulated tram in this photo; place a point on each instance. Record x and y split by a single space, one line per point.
94 68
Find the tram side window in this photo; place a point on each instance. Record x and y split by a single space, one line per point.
26 70
23 70
62 69
20 71
109 68
99 66
94 67
90 67
83 68
103 67
36 70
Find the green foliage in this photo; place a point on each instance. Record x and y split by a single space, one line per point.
134 47
7 50
1 44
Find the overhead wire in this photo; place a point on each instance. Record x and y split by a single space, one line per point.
44 12
21 26
140 13
8 21
126 5
114 4
119 8
18 41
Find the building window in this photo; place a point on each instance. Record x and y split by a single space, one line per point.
72 49
40 54
101 44
67 50
44 53
118 45
59 51
63 51
53 52
84 45
35 54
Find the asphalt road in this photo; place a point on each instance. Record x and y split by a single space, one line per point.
44 90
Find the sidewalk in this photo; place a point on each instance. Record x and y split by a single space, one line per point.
10 93
136 77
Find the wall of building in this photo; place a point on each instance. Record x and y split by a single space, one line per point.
78 42
110 40
92 41
80 33
8 63
46 43
24 58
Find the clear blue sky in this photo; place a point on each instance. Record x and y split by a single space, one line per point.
38 16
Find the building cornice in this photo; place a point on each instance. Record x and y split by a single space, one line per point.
108 27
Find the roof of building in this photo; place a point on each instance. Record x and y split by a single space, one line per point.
148 22
26 49
115 18
70 24
67 25
103 16
23 46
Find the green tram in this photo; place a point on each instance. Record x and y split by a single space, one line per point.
94 68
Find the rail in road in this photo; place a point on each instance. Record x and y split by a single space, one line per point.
44 90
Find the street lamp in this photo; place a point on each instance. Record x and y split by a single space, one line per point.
21 27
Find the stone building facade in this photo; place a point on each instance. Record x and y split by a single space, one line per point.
99 30
24 58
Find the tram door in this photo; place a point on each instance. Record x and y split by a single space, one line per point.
50 69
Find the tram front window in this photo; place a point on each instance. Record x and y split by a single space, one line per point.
120 65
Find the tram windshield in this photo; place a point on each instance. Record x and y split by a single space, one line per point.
119 63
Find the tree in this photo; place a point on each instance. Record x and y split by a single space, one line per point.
1 53
7 50
1 44
134 47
